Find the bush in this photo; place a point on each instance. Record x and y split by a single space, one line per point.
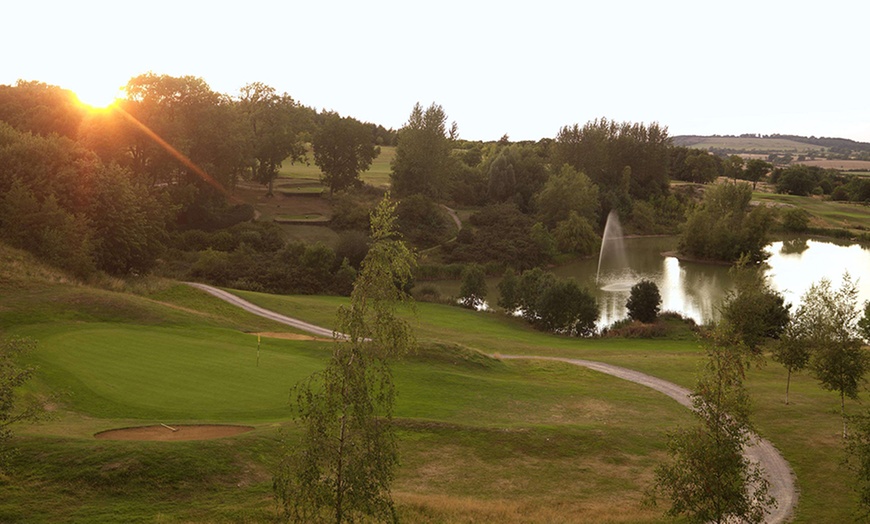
795 220
644 302
472 292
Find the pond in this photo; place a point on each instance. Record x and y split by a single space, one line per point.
695 289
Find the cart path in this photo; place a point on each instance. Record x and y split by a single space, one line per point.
271 315
759 450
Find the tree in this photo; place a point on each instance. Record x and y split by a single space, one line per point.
792 353
12 407
694 165
566 308
566 191
709 479
858 459
734 167
345 464
864 323
502 179
343 148
756 169
752 309
274 122
725 227
644 302
508 289
472 291
575 235
422 162
603 149
550 304
827 322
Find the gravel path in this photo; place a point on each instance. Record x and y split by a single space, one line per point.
777 470
257 310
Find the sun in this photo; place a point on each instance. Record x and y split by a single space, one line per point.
97 97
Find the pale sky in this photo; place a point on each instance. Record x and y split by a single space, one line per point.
519 68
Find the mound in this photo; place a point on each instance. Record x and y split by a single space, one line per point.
171 433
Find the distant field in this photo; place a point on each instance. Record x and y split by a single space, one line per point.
748 145
842 165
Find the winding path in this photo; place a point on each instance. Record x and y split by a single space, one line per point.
759 450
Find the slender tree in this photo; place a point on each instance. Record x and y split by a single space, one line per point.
343 468
827 321
709 479
793 353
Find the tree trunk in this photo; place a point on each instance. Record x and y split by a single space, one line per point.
787 386
843 411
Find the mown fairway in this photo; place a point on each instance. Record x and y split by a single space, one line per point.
481 439
825 213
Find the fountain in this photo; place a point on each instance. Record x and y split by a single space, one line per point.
613 251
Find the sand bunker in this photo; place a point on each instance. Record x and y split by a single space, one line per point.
171 433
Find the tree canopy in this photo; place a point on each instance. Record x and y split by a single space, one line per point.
343 147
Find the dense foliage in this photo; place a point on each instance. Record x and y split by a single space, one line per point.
644 302
725 227
549 303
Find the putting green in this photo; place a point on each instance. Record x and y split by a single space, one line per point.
124 371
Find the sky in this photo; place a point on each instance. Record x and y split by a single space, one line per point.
524 69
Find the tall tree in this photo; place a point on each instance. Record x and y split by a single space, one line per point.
343 148
344 467
423 163
603 149
502 178
709 479
274 124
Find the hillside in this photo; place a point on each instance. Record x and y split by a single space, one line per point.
829 148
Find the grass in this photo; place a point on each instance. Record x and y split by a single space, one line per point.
825 213
750 144
482 440
306 174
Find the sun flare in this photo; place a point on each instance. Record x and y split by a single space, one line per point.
96 97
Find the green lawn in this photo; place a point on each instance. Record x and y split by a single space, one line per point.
825 213
482 440
305 176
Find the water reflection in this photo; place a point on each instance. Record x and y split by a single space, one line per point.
696 290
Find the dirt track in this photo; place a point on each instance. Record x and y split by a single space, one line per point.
777 470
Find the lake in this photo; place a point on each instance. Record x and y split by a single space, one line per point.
695 289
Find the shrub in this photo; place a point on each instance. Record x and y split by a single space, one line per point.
644 302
